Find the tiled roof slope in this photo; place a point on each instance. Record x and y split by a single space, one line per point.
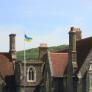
83 48
58 63
6 65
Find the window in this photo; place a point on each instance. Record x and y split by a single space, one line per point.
90 68
90 82
31 74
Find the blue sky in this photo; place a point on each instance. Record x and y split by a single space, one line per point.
46 21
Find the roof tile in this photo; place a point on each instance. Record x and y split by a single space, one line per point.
59 62
6 66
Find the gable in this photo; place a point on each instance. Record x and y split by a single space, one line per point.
58 63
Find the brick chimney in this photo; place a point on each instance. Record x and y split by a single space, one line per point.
12 46
42 50
72 46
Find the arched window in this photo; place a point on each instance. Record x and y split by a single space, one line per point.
31 74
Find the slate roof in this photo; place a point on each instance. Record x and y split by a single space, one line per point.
83 48
86 65
6 65
58 63
84 55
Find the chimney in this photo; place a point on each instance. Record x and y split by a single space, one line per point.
42 50
12 46
78 34
72 47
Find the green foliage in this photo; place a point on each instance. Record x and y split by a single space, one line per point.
58 48
34 52
29 54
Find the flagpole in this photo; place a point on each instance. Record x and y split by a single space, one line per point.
24 59
24 64
28 39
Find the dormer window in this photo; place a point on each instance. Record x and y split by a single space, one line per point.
31 74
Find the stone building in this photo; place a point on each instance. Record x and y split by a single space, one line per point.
29 73
62 71
68 70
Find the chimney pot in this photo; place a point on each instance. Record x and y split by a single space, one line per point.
72 29
77 31
43 45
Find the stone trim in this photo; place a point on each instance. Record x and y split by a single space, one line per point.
34 70
50 63
86 64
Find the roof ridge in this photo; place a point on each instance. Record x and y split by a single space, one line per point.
84 38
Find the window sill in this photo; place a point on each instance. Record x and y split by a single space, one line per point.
31 81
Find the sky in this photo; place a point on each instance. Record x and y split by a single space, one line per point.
46 21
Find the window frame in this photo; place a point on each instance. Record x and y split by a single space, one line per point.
90 81
34 74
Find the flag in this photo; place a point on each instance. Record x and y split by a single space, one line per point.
28 39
